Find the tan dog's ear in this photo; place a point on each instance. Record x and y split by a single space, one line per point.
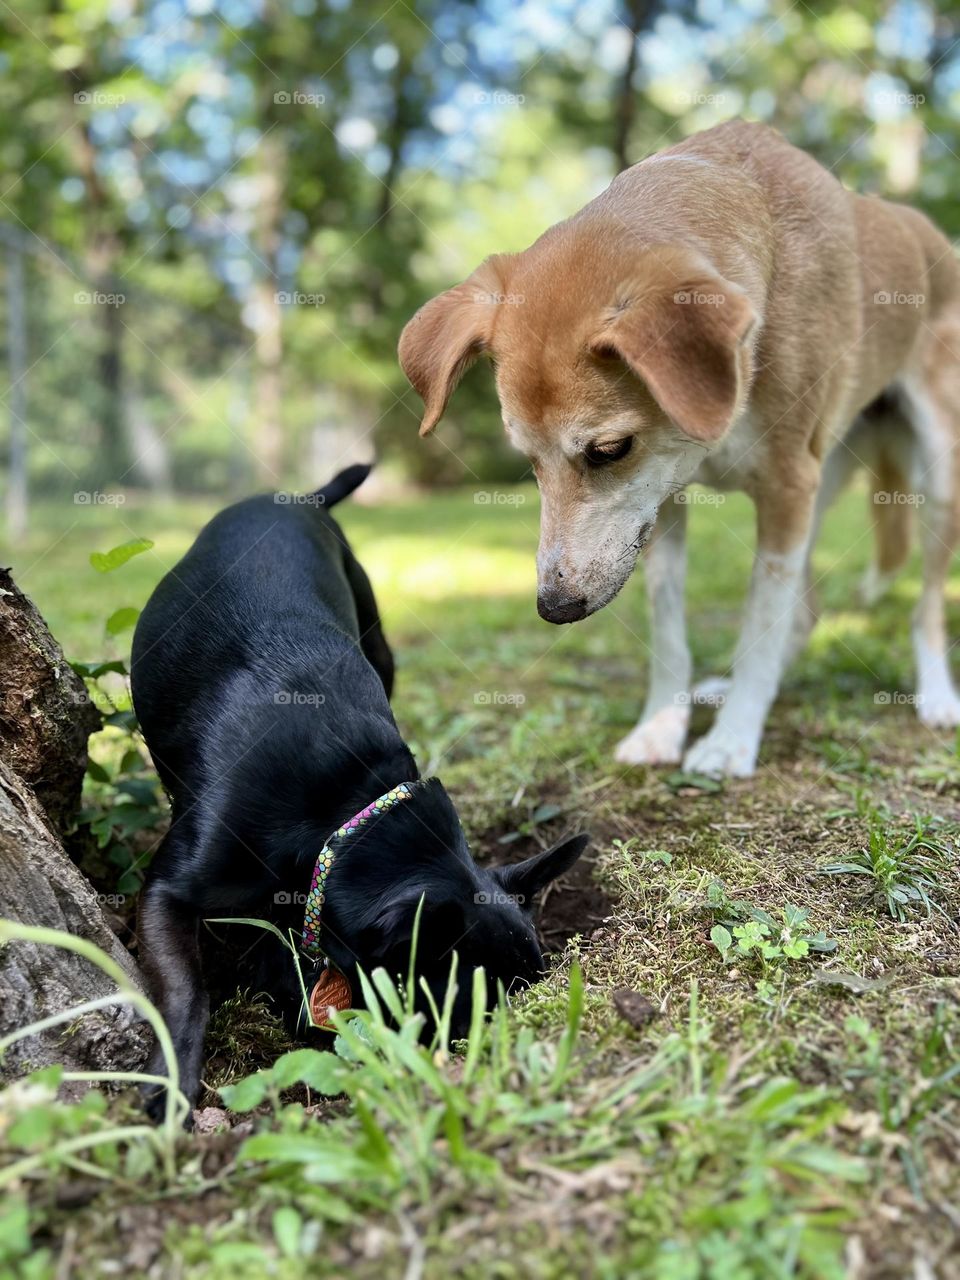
685 338
444 338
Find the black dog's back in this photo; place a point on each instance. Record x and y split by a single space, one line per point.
271 575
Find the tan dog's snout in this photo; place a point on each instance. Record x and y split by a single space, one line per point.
560 596
557 607
572 586
558 599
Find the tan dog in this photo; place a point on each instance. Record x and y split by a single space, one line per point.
726 313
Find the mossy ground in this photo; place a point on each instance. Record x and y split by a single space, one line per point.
520 718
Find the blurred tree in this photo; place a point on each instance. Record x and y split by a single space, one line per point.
293 180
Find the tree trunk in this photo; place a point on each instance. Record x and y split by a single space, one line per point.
45 718
39 885
269 441
46 714
17 484
625 107
102 254
114 464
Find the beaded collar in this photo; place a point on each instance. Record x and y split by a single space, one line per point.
335 842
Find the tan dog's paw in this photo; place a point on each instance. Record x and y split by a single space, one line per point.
721 754
657 739
941 711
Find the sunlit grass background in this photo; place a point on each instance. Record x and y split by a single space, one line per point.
455 579
847 1055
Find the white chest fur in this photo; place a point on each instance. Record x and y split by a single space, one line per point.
732 463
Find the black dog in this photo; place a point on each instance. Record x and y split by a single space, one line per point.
261 678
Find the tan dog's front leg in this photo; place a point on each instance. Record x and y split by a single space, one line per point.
776 588
661 732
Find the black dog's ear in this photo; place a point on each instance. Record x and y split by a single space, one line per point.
524 879
441 924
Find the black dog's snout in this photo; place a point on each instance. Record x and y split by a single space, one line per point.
553 606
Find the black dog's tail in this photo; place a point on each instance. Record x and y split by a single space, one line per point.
343 484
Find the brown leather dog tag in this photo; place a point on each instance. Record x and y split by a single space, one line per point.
331 991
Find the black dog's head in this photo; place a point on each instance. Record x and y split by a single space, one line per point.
418 850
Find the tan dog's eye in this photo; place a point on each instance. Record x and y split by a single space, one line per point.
608 451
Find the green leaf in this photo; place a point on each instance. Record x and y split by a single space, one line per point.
820 942
750 936
15 1233
258 924
796 949
97 772
96 669
122 720
321 1071
775 1100
721 938
824 1160
762 917
107 561
329 1160
851 981
287 1229
248 1093
680 781
545 812
122 619
130 882
140 790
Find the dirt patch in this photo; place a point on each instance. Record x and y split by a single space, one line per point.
574 904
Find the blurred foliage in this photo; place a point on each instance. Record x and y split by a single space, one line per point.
267 191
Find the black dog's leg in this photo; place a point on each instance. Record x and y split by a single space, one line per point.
372 640
170 956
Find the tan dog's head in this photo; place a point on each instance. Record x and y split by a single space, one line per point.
616 370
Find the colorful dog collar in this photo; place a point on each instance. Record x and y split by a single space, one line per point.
318 885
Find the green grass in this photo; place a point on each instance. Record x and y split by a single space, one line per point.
788 1104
